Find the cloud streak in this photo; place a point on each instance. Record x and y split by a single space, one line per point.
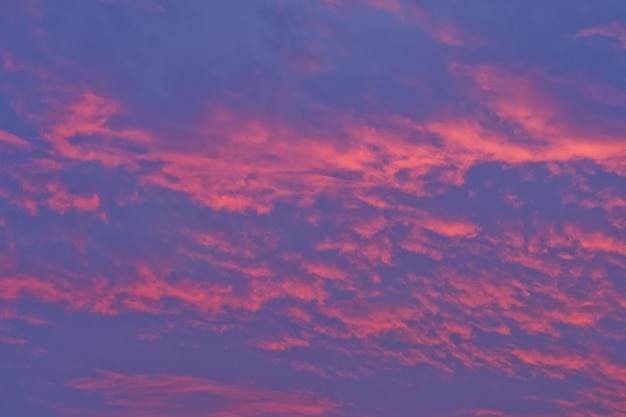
168 395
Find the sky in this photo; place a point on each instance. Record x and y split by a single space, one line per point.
312 208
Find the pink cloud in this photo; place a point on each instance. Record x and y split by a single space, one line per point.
615 30
443 31
12 340
390 5
89 115
169 396
11 139
514 281
61 200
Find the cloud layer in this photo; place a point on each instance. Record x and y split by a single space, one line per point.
317 208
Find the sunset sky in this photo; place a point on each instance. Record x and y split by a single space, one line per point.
312 208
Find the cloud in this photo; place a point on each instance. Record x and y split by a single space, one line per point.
473 227
615 30
171 395
11 139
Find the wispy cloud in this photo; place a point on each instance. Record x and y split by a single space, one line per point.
171 395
